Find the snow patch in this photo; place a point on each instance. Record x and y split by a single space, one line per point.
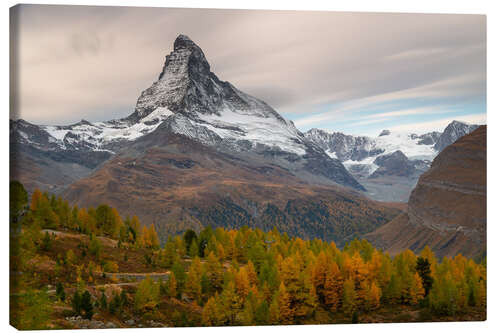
100 133
255 127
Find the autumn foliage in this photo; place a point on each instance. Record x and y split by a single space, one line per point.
250 276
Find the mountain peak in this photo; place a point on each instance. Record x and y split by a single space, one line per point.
455 130
184 42
385 132
186 58
456 122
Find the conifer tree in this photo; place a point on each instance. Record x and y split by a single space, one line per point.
349 297
172 286
153 237
424 270
373 297
284 302
147 294
86 305
214 272
18 200
193 281
210 314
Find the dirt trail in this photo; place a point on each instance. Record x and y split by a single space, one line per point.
104 240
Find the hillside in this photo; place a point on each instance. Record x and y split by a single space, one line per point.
76 268
447 209
177 183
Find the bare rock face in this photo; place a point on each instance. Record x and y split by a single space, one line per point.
447 209
187 86
393 164
343 146
452 132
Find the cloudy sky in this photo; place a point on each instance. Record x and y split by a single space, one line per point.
353 72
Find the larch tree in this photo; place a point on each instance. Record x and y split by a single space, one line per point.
349 297
373 297
333 287
286 313
193 281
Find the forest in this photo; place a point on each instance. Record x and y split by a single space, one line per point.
74 267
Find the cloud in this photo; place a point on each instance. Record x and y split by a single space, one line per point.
314 67
439 125
416 53
450 90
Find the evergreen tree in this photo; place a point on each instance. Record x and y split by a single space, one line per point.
103 302
86 305
60 291
76 302
188 237
424 270
18 200
193 249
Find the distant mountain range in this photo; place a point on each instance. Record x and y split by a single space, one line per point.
390 164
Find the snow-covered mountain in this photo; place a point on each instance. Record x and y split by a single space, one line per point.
454 131
388 165
196 104
189 100
361 152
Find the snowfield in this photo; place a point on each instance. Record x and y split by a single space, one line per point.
256 128
100 133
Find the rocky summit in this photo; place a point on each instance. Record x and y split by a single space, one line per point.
454 131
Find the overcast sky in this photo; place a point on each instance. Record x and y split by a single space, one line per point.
353 72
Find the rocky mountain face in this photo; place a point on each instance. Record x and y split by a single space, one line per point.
394 164
197 151
452 133
344 147
447 208
388 165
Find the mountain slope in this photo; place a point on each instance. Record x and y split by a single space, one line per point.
178 183
447 209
